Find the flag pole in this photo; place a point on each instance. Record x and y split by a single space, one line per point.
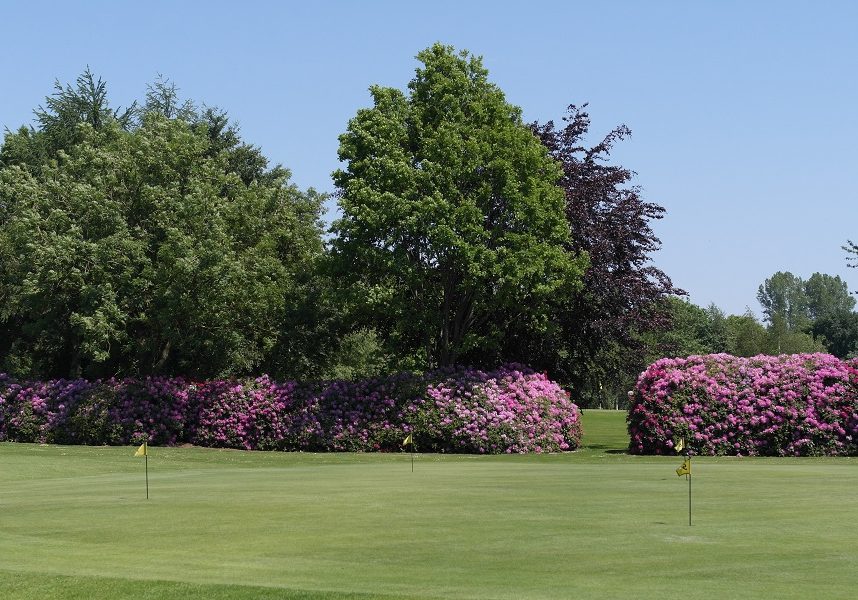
409 440
689 489
146 462
685 469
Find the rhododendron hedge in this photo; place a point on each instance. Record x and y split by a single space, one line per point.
511 409
790 405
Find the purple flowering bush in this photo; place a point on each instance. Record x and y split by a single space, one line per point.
251 415
790 405
154 409
33 411
367 414
511 409
77 411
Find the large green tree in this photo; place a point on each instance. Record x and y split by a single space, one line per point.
165 245
784 301
452 223
807 316
58 122
839 332
691 331
746 335
831 308
826 295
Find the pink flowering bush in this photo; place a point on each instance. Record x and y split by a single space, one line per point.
797 405
508 410
366 414
511 409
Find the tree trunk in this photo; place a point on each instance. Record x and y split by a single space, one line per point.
165 354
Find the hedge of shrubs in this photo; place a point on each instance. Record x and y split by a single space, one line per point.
797 405
511 409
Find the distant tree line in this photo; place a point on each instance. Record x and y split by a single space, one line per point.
813 315
155 240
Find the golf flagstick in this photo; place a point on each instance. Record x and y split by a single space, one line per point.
685 469
143 451
689 489
410 440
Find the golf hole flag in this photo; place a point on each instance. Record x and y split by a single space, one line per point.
679 444
410 441
143 451
685 469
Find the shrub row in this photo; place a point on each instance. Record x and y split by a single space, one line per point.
511 409
797 405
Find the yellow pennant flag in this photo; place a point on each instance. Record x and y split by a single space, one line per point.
685 469
141 451
408 440
679 444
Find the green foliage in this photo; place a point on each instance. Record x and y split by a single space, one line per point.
163 247
803 317
839 332
784 300
809 316
831 309
359 355
452 223
154 239
689 334
69 107
747 336
699 331
716 332
783 339
827 295
89 422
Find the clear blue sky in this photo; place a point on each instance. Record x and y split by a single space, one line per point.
743 113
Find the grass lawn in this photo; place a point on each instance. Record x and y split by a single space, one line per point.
74 523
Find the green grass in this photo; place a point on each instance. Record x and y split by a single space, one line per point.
596 523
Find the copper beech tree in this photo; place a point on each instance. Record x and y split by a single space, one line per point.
595 332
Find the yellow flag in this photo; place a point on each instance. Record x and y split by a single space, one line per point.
408 440
679 444
141 451
685 469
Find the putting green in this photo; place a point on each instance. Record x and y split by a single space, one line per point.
74 523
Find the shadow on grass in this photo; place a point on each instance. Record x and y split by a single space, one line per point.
604 448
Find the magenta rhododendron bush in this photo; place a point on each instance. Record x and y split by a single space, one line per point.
790 405
511 409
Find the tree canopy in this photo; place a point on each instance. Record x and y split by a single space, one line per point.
809 315
158 245
595 330
452 225
153 239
